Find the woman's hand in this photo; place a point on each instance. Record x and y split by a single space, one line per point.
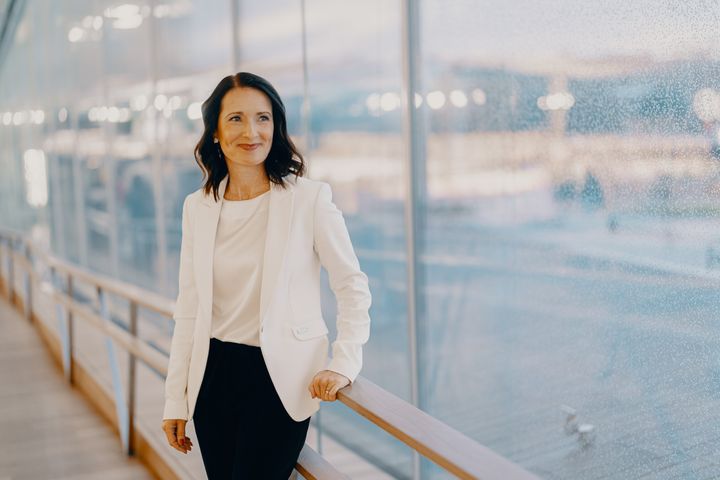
175 431
326 383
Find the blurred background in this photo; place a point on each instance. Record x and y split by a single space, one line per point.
560 164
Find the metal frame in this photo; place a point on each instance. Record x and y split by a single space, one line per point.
121 408
235 29
157 160
27 287
415 183
13 14
64 319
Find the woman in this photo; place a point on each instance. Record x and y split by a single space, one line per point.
249 354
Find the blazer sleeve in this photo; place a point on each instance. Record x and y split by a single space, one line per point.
348 283
184 315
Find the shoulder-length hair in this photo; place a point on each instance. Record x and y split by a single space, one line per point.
283 158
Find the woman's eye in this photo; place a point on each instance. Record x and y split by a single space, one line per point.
234 117
264 117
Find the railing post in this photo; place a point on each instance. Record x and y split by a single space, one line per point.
318 428
132 380
318 424
27 277
121 408
3 280
69 326
11 271
64 322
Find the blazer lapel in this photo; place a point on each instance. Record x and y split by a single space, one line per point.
276 242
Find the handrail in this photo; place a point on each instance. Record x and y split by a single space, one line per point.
449 448
452 450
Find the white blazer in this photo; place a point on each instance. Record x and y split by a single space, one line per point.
304 231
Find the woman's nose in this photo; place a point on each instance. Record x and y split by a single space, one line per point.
249 129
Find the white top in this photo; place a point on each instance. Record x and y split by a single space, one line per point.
237 270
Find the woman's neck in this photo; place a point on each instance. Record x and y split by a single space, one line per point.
246 188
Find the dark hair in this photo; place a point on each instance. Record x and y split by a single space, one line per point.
283 158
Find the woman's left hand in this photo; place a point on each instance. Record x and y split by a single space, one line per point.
326 383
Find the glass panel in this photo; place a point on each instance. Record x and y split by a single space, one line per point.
572 233
270 45
23 159
194 52
354 81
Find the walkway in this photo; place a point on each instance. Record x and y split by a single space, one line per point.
48 430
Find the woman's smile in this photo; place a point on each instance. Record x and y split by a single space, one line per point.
249 146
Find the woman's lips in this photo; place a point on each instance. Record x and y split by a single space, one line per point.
250 147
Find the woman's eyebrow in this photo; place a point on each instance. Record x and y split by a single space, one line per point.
233 113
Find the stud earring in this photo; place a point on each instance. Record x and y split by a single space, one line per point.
215 140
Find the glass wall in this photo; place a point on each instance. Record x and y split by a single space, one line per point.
569 259
572 233
355 144
118 86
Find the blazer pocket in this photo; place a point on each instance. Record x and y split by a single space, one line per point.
308 330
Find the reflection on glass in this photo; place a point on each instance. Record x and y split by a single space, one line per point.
355 144
35 177
571 233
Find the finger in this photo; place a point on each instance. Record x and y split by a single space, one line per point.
170 434
316 388
330 389
333 392
326 388
181 435
336 389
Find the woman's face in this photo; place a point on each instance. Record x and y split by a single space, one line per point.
245 126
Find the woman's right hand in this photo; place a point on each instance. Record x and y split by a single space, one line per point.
175 431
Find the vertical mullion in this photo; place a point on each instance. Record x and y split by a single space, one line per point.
305 114
235 28
305 119
132 381
414 147
157 159
109 161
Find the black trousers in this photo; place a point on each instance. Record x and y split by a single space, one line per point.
242 428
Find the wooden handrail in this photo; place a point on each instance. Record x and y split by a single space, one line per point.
312 465
140 296
134 345
449 448
452 450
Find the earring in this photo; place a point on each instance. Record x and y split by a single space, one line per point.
215 140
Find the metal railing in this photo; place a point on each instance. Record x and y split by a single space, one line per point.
452 450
